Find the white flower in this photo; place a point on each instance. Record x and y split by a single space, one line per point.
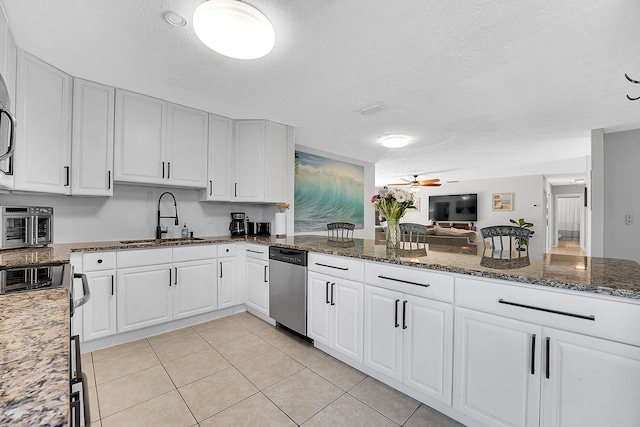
401 197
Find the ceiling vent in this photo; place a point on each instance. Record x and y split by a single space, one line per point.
374 108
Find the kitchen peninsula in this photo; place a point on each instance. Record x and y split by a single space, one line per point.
607 289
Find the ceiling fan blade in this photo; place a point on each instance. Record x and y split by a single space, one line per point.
432 185
404 183
428 181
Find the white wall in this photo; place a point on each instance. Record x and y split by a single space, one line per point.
131 213
369 190
527 192
621 194
596 186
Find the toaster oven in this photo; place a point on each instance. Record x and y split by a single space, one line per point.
25 226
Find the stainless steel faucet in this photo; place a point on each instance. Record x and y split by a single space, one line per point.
159 230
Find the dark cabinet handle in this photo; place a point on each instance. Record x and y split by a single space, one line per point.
404 314
404 281
221 270
332 302
163 170
396 315
66 168
533 354
547 310
169 277
331 266
112 287
100 261
109 180
547 373
266 279
168 170
235 190
326 292
210 188
175 279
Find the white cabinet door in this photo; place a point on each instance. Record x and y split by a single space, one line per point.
92 139
221 168
383 331
428 347
139 138
319 322
257 282
186 153
227 277
275 162
249 137
99 313
194 288
42 160
497 369
348 318
592 382
143 296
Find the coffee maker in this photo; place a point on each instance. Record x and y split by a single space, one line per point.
236 227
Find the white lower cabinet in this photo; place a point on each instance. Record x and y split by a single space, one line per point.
99 318
409 339
257 277
227 278
497 369
144 296
335 314
591 382
194 288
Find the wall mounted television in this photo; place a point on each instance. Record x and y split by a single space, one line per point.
456 207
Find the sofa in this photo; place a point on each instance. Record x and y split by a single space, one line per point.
437 235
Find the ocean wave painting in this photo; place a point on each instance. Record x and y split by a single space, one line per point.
327 190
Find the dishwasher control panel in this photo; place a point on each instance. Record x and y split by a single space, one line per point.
290 256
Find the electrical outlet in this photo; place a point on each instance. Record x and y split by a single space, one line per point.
210 220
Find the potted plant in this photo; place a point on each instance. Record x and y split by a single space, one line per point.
522 224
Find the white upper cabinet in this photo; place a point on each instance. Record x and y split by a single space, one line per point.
43 109
220 166
92 139
159 143
261 153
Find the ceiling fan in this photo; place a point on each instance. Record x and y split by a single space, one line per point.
415 184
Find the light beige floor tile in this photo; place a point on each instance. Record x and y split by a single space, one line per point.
179 347
240 315
212 324
243 348
384 399
195 366
166 410
276 336
170 335
86 358
428 417
128 391
302 394
303 352
94 407
254 411
224 333
216 392
96 423
349 411
87 369
124 364
268 368
340 374
119 349
252 323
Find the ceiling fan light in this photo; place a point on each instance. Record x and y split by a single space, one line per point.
233 29
414 188
395 141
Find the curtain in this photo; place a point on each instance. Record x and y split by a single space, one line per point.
569 218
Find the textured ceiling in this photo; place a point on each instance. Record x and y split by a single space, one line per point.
485 88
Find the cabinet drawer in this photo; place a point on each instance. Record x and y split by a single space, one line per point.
226 250
194 252
414 281
138 257
257 251
567 310
96 261
337 266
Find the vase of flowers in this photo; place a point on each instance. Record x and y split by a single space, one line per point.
392 204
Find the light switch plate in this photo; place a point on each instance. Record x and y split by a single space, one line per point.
629 219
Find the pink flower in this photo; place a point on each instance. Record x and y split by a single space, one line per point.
374 198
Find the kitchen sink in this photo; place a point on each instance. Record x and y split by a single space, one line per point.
150 241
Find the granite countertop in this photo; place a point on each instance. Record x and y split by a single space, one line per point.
34 358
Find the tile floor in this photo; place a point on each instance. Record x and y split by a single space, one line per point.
239 371
567 248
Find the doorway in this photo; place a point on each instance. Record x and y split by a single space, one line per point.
569 224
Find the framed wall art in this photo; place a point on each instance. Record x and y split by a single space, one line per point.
502 202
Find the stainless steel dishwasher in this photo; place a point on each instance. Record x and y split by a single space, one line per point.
288 288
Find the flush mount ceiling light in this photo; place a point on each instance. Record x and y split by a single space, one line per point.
395 141
233 29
